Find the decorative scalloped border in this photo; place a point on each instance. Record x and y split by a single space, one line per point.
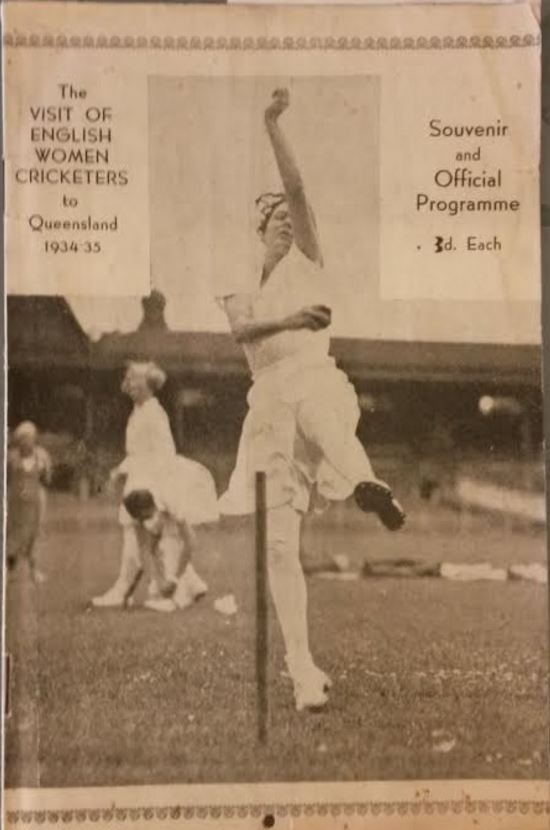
236 43
372 808
260 44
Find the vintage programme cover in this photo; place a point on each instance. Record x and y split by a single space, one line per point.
275 549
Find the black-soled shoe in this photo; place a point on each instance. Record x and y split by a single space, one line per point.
377 497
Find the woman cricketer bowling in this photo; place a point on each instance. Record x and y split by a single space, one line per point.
303 411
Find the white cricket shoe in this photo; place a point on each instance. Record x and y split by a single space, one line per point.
113 598
197 587
309 693
190 588
322 677
314 672
310 685
160 604
38 577
182 597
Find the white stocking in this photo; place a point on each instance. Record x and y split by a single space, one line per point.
171 550
287 583
130 561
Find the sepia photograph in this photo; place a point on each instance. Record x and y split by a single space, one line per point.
263 523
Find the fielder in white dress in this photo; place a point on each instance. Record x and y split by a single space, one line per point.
303 411
166 514
151 451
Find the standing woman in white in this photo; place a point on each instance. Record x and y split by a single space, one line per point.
150 450
303 415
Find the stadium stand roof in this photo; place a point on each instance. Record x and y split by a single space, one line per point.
43 331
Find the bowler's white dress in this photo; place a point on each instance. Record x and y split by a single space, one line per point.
303 411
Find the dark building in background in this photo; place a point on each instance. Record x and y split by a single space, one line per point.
49 362
419 400
49 371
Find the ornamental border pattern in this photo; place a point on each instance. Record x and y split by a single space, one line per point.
49 818
266 44
372 808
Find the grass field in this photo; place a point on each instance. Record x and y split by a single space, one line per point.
432 679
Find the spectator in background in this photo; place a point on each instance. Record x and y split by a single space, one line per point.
28 471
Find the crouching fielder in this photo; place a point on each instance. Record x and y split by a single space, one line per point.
168 542
303 411
165 502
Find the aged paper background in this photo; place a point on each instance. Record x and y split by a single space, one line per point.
407 165
408 59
